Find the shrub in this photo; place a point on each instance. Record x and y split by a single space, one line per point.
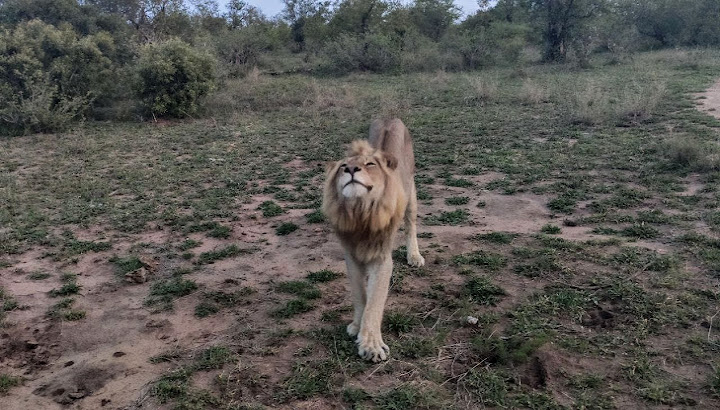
51 76
241 49
173 78
372 52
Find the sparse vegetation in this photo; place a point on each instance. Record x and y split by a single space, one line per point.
456 217
69 287
481 290
286 228
229 251
270 209
164 292
533 160
7 382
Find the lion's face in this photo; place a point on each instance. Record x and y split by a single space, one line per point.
361 177
363 192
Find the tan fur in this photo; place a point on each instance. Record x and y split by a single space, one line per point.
366 226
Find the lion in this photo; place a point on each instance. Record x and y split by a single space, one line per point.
366 197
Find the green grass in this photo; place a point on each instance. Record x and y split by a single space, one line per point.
308 379
39 276
270 209
212 229
456 217
488 260
7 382
457 200
543 265
7 304
126 264
551 229
229 251
164 292
286 228
76 247
292 308
322 276
188 244
502 238
213 302
214 358
315 217
64 310
407 397
399 322
481 290
299 288
69 287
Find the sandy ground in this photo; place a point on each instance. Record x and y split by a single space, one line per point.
710 100
102 361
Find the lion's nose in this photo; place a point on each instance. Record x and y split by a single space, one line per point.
352 170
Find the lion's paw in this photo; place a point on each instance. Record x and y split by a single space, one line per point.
353 329
415 259
372 348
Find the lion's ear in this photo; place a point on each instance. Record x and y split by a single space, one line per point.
391 161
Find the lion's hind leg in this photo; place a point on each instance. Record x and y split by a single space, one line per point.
413 251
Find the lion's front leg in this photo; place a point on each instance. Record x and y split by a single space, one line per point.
370 342
357 277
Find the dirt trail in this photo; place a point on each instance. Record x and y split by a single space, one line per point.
709 101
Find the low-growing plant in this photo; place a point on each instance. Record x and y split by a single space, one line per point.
286 228
270 209
456 217
481 290
322 276
491 261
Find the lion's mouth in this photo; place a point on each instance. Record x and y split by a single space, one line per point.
368 187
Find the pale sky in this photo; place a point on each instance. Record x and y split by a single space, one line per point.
272 7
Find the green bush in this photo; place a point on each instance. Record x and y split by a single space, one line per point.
373 52
173 78
51 76
484 46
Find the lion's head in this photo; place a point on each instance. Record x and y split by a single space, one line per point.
363 193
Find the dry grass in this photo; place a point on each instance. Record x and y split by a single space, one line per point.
599 101
686 152
484 89
533 93
638 102
588 104
323 98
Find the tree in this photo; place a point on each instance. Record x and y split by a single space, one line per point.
242 14
307 18
433 17
563 22
357 16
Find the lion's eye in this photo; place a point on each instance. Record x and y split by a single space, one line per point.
343 165
370 164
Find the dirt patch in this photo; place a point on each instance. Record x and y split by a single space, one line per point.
709 100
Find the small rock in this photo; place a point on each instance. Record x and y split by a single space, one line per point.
76 395
472 320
